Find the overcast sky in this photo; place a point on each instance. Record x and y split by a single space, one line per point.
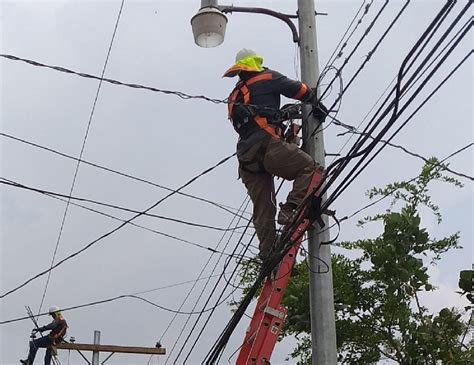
167 140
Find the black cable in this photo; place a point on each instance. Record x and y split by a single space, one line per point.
354 130
367 31
316 129
339 54
306 253
361 67
180 94
432 28
406 121
117 228
160 233
374 49
396 115
243 207
48 193
234 272
206 302
414 154
63 221
387 194
228 209
341 163
108 300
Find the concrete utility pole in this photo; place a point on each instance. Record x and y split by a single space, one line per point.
323 326
95 354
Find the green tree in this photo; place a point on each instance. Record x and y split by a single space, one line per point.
379 314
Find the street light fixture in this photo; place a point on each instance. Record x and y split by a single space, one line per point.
209 27
210 22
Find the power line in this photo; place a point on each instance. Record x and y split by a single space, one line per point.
367 31
234 272
366 60
226 208
107 234
133 295
180 94
408 152
397 113
354 130
16 184
243 208
80 155
359 22
387 194
356 149
160 233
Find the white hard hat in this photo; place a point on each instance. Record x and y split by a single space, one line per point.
244 53
53 309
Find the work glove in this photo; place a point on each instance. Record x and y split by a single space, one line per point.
320 111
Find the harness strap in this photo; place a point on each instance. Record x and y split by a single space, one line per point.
263 123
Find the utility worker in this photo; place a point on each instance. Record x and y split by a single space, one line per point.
261 151
58 329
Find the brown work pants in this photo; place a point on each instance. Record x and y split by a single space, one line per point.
281 159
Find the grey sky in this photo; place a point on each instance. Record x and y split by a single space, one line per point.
168 140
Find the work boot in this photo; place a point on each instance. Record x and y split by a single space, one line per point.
25 362
286 213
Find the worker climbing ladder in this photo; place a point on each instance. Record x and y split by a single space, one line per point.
269 315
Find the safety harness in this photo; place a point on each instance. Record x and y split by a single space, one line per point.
251 113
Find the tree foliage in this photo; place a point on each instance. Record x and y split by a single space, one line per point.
379 314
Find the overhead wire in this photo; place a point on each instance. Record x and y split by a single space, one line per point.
234 272
374 49
226 208
63 221
354 130
160 233
366 60
179 94
388 193
243 208
49 193
207 301
112 299
396 113
109 233
356 150
346 61
405 122
359 22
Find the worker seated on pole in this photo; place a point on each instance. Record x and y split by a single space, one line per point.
261 150
58 329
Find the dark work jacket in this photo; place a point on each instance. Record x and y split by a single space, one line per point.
58 329
267 93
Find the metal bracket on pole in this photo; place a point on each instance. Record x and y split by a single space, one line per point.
285 17
108 357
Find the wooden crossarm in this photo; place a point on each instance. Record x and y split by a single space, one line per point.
111 348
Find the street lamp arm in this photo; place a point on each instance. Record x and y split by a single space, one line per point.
243 9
